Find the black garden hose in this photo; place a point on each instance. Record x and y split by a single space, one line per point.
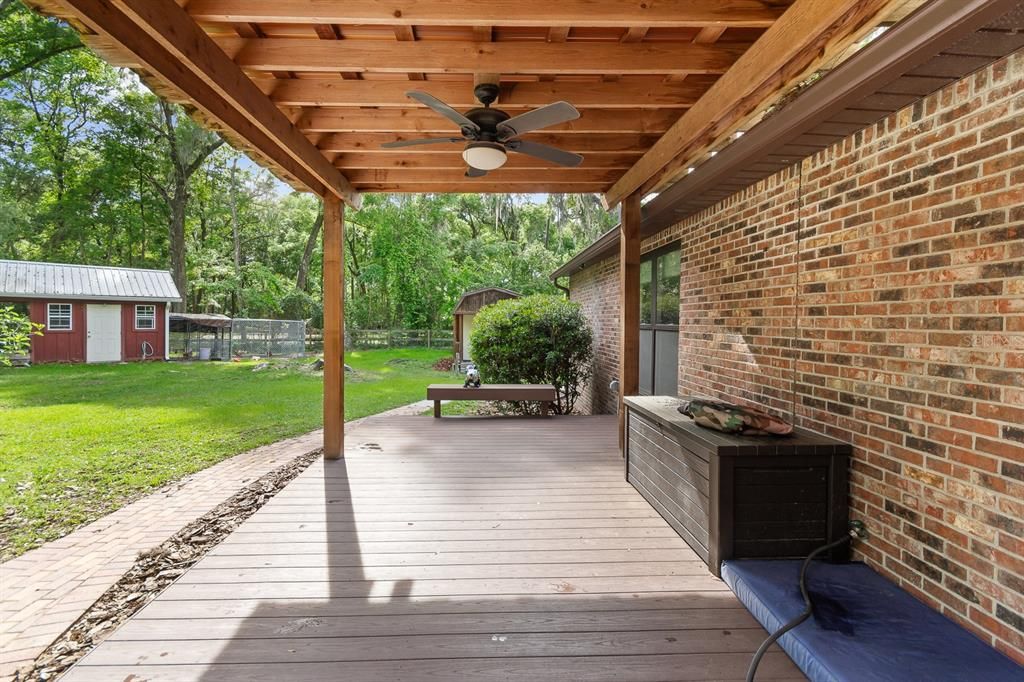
856 531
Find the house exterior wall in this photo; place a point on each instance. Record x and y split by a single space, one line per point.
69 346
875 293
596 289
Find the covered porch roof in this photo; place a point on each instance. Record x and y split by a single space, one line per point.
312 89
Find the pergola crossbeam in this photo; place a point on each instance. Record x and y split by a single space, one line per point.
449 56
598 13
336 92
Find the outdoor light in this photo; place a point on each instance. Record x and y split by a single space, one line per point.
485 156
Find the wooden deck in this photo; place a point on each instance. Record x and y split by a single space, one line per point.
463 549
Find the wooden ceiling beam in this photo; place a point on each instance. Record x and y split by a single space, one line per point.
597 13
583 144
174 48
808 34
422 120
453 159
449 56
335 92
486 187
453 175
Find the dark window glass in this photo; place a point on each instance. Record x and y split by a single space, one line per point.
645 292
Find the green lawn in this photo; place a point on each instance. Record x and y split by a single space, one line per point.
79 441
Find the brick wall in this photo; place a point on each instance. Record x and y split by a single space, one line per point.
875 292
596 290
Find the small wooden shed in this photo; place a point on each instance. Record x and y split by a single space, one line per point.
465 310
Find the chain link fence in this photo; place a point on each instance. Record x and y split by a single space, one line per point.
268 337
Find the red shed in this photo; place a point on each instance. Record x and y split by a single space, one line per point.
92 313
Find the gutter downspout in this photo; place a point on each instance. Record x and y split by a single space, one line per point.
559 286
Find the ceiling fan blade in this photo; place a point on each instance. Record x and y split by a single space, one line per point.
426 140
443 109
549 115
543 151
475 172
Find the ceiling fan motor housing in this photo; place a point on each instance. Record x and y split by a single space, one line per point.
488 120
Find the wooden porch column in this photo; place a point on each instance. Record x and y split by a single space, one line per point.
334 327
629 307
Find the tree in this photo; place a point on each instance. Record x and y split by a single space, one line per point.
536 339
27 39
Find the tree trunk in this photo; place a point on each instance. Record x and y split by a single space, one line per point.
235 237
178 203
307 254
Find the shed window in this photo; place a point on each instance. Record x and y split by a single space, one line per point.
145 317
58 316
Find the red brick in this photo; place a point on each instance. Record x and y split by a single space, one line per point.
907 284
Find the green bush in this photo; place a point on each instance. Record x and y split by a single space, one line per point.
538 339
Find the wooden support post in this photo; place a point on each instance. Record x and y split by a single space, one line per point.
629 307
334 327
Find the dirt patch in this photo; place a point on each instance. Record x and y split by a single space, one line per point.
157 568
444 364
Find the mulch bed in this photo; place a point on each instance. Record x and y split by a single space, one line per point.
157 568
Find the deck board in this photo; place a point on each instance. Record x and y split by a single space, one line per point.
460 549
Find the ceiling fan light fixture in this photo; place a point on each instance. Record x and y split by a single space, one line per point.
485 156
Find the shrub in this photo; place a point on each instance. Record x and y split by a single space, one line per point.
16 334
535 340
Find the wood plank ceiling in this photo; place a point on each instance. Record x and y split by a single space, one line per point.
339 71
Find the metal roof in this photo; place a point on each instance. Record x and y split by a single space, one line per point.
28 279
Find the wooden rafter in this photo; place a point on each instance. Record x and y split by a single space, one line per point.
447 176
808 34
422 120
623 95
170 44
592 144
453 159
647 58
697 13
491 187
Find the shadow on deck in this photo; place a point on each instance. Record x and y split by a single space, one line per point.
460 549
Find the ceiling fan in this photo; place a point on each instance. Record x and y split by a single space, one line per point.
491 133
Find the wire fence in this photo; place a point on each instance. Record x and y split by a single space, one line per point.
366 339
268 337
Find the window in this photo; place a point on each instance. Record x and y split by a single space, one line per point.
145 317
58 316
659 322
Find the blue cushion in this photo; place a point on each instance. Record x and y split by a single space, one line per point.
864 627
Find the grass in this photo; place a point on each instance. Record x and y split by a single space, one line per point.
80 441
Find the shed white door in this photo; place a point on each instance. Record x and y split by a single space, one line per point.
467 329
102 333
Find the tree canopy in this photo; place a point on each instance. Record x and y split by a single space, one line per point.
96 169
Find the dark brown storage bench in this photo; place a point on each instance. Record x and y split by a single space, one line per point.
737 496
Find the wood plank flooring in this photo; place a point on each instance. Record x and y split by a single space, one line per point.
453 549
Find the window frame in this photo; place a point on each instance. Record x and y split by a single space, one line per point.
153 317
653 326
70 316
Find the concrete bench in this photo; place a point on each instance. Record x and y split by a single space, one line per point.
543 393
